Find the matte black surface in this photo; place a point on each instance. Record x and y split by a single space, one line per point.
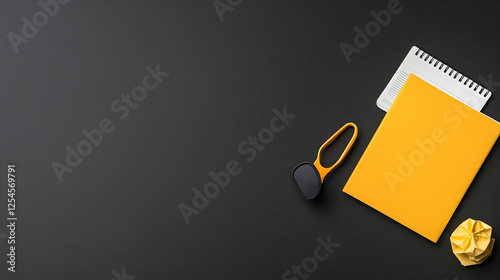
119 208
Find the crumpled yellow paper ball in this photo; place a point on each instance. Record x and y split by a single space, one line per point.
471 242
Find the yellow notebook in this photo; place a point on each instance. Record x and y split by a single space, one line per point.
423 157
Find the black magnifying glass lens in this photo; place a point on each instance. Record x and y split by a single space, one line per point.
307 180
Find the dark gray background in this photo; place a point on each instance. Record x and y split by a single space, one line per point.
119 208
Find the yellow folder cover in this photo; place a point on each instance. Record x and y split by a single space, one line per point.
423 157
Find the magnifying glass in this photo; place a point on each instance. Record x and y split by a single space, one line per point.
308 177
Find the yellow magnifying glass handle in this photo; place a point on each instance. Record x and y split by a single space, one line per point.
323 171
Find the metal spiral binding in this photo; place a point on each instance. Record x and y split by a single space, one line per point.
452 73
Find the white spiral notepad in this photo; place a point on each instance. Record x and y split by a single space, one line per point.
437 74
